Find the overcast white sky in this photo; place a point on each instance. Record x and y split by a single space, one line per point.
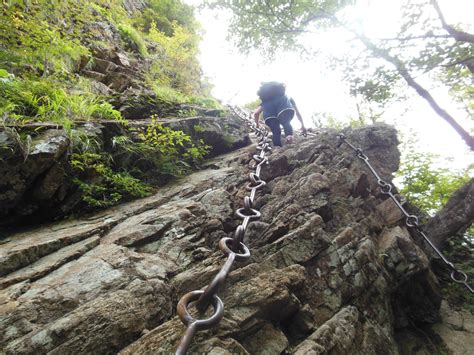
236 77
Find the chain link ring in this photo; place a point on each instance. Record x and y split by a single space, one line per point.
459 272
412 221
384 186
226 249
261 184
238 236
200 324
255 214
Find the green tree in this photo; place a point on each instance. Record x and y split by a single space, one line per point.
176 63
164 14
427 186
270 25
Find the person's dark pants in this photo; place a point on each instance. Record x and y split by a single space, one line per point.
274 125
278 111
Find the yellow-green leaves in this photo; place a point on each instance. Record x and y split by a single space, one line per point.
175 62
173 151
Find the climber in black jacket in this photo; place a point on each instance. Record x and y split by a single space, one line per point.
278 109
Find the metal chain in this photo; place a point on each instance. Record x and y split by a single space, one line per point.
411 221
234 248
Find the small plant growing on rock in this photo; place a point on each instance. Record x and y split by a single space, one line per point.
198 128
100 185
174 151
133 38
191 112
18 141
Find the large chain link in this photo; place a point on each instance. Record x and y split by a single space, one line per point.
234 248
411 221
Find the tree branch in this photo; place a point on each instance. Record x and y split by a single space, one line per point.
320 16
459 36
426 36
454 218
403 71
464 61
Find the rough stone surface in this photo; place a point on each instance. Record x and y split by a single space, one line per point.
336 336
142 104
332 269
38 166
266 340
223 135
36 185
456 330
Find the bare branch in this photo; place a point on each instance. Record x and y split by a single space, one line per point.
459 36
465 61
412 38
455 217
404 73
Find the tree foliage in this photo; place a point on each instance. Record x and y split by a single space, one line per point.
426 185
425 44
275 25
175 59
165 15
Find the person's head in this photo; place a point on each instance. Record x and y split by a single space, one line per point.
271 89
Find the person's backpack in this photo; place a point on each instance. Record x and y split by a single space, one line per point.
271 89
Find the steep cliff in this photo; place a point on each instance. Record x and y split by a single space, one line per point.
100 102
333 269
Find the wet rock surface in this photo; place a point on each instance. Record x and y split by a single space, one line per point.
332 270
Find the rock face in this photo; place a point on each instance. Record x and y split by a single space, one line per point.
333 269
37 170
36 179
457 329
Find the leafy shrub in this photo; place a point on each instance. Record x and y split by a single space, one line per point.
133 38
165 151
176 63
174 150
106 187
207 102
427 186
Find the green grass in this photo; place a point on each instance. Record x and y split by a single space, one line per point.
133 38
44 100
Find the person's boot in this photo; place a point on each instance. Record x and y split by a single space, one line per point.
289 139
